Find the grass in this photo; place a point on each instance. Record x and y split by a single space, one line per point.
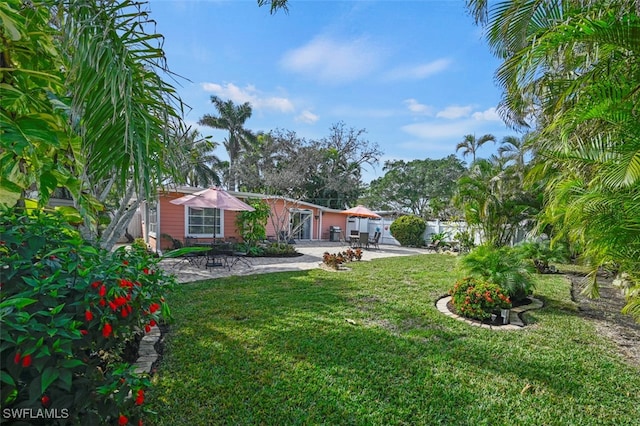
368 347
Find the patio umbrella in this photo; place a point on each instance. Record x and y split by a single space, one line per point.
215 198
360 211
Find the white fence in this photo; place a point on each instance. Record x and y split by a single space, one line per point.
450 229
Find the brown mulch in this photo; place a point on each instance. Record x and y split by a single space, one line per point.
606 316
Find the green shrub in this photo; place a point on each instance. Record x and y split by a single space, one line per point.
478 299
540 254
280 249
409 230
502 266
69 310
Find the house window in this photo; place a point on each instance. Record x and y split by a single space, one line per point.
152 218
204 222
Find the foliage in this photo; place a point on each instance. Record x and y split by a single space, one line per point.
474 298
470 145
501 266
336 259
438 239
466 241
278 347
252 224
69 313
574 72
422 187
83 106
279 249
541 253
326 172
409 230
494 200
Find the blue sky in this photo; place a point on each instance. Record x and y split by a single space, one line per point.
417 75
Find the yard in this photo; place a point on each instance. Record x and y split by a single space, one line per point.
368 346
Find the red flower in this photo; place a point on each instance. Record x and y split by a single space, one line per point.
140 397
123 420
103 291
146 271
26 360
95 284
102 302
147 328
84 332
140 422
106 330
154 307
113 306
46 401
125 262
120 300
88 315
152 323
126 283
17 358
124 312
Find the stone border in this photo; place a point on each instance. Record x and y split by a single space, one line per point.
147 353
515 320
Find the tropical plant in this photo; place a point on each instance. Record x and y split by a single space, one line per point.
574 72
252 224
231 117
493 200
409 230
193 161
478 299
470 144
541 253
501 266
83 106
70 315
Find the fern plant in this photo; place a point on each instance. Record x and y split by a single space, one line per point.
501 266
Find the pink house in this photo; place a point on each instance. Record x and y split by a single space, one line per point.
163 221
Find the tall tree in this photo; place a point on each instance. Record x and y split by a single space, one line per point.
470 144
420 187
231 117
193 160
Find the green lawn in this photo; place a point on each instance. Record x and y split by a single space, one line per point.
283 349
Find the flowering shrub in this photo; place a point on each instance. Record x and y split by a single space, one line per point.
335 260
478 299
68 312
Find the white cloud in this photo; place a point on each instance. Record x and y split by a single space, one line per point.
332 60
249 94
417 108
308 117
438 130
487 115
455 111
418 72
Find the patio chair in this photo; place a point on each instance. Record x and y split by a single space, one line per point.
363 241
376 238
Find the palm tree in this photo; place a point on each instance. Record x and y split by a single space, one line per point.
231 117
470 144
574 71
193 160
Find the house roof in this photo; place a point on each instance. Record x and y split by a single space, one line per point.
245 195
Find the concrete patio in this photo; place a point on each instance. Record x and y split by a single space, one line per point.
311 258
